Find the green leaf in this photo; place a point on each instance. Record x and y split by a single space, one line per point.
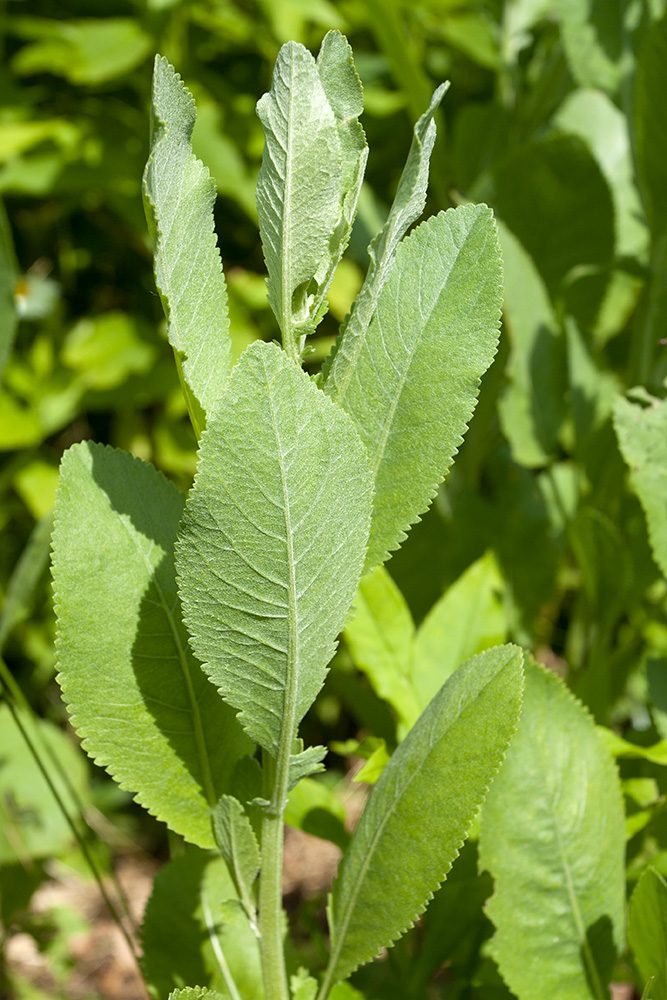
186 940
238 845
137 696
195 993
316 809
408 205
421 809
618 747
647 930
31 822
649 121
468 618
532 405
179 195
303 986
273 542
596 41
379 635
19 595
83 50
8 276
552 835
642 438
312 168
416 379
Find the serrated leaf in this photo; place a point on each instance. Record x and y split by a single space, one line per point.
642 438
185 941
552 835
407 206
468 618
379 635
312 168
420 811
303 986
179 195
136 694
238 845
273 542
647 930
195 993
416 378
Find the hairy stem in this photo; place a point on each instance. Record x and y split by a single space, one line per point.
271 891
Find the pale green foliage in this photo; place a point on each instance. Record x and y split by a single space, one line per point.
408 205
313 165
31 823
406 666
642 438
552 836
273 541
179 196
195 993
432 337
421 809
137 697
185 930
647 931
238 846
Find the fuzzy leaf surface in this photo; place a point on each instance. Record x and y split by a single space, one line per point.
238 845
421 809
179 195
314 158
647 931
407 206
138 698
553 837
642 438
273 542
416 379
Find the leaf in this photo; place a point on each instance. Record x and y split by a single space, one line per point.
552 835
408 205
532 405
647 930
303 986
649 119
8 276
420 811
468 618
379 635
137 697
642 438
273 542
416 378
31 822
618 747
596 42
316 809
238 845
179 195
184 938
26 575
195 993
312 168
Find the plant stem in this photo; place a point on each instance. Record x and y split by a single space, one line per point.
271 893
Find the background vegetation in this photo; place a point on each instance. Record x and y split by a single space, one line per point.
556 118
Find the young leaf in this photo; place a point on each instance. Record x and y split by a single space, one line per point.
185 936
468 618
642 438
379 636
137 696
647 930
552 836
273 542
179 195
195 993
313 164
408 205
238 845
420 811
416 377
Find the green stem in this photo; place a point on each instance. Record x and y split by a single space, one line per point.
271 889
217 950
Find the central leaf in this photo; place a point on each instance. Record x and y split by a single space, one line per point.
273 541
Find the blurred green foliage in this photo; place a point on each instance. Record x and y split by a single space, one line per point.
556 118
